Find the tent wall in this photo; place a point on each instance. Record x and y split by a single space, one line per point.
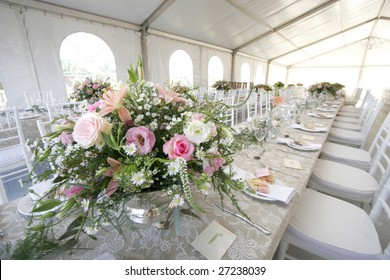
30 50
30 53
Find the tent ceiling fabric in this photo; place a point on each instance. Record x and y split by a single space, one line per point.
288 32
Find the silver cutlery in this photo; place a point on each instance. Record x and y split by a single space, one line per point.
262 229
284 172
290 152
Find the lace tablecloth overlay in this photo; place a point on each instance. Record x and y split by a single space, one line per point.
149 242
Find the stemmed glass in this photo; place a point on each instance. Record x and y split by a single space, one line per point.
260 131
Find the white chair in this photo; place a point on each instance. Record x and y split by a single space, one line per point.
355 138
240 110
15 156
38 98
354 116
334 229
229 111
44 127
354 156
373 107
251 106
351 101
65 109
349 182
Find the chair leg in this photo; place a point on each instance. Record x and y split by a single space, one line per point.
283 246
3 194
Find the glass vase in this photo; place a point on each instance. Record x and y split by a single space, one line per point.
148 207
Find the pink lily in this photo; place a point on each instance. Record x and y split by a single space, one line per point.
114 167
170 96
114 101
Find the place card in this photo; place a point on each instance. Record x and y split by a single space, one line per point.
291 163
214 241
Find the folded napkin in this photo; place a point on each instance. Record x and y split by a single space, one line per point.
301 126
305 145
330 105
326 109
279 192
321 115
276 191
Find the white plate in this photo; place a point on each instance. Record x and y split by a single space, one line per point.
323 116
302 148
326 109
304 128
26 205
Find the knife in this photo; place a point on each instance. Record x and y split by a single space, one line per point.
262 229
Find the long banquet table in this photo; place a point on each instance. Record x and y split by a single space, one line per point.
149 242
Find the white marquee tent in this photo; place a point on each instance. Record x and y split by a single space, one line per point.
307 41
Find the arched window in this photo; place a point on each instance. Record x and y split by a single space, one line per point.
259 78
215 70
3 97
245 73
86 55
180 68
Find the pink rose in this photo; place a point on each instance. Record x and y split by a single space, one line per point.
66 138
179 146
213 164
95 86
88 130
142 137
73 191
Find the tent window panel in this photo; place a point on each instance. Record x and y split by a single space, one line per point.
86 55
181 68
215 70
245 73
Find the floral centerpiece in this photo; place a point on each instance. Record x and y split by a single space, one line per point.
143 138
325 87
221 85
278 85
90 90
263 87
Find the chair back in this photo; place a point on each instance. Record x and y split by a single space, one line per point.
382 205
65 109
44 127
380 168
15 156
229 112
38 98
370 118
251 106
380 137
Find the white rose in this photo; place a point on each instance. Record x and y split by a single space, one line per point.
197 132
88 130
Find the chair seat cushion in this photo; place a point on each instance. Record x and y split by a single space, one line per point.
350 109
346 119
349 114
333 225
347 125
347 155
342 180
11 155
345 136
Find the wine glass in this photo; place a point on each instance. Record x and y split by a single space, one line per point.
260 131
